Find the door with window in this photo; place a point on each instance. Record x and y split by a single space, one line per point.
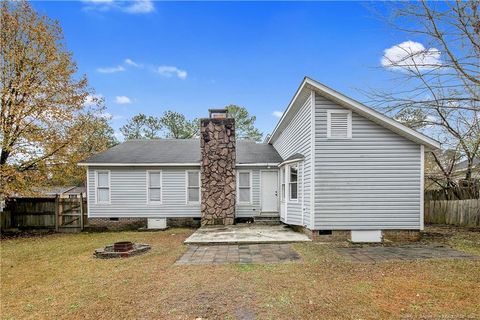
269 191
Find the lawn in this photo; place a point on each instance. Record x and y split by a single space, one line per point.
55 276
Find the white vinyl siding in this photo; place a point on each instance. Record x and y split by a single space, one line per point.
128 194
371 181
193 187
295 138
154 182
339 124
103 186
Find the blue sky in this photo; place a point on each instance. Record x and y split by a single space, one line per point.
191 56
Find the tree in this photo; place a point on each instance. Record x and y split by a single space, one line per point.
178 127
141 126
244 123
40 97
438 88
94 135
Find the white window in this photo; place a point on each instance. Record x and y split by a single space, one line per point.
244 187
193 186
103 186
282 177
154 184
339 124
293 182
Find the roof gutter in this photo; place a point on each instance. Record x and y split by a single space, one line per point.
193 164
290 161
256 164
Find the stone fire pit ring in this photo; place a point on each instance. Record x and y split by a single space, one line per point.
122 249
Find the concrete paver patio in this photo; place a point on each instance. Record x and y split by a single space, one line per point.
239 234
245 253
404 252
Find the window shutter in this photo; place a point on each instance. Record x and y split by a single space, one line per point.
339 125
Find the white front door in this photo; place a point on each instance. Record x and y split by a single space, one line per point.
269 192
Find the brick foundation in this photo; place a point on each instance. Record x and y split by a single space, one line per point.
337 235
345 235
183 223
106 224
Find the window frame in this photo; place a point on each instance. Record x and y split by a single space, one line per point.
97 201
148 172
239 187
187 187
349 124
283 184
296 166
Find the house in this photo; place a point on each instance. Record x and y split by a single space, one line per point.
55 191
332 166
460 168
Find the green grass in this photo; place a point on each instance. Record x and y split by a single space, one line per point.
57 277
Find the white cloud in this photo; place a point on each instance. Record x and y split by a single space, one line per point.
277 114
118 135
98 1
140 6
105 115
170 71
108 116
98 5
117 117
91 100
122 100
133 7
111 69
132 63
410 55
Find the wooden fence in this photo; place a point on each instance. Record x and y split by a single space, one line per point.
61 214
472 192
464 213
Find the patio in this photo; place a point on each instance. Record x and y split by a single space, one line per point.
243 253
245 234
373 254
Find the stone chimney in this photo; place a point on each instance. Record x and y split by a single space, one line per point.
218 185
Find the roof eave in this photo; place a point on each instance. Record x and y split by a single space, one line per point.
131 164
363 110
274 132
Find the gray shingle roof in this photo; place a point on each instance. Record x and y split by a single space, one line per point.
295 156
179 151
464 164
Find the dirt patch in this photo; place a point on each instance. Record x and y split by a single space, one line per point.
17 234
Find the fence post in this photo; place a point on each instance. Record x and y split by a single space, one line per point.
81 212
57 213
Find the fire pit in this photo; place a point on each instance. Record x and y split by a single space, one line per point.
122 246
122 249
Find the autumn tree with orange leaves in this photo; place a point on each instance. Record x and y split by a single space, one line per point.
46 124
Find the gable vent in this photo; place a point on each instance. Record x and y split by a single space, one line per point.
339 124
